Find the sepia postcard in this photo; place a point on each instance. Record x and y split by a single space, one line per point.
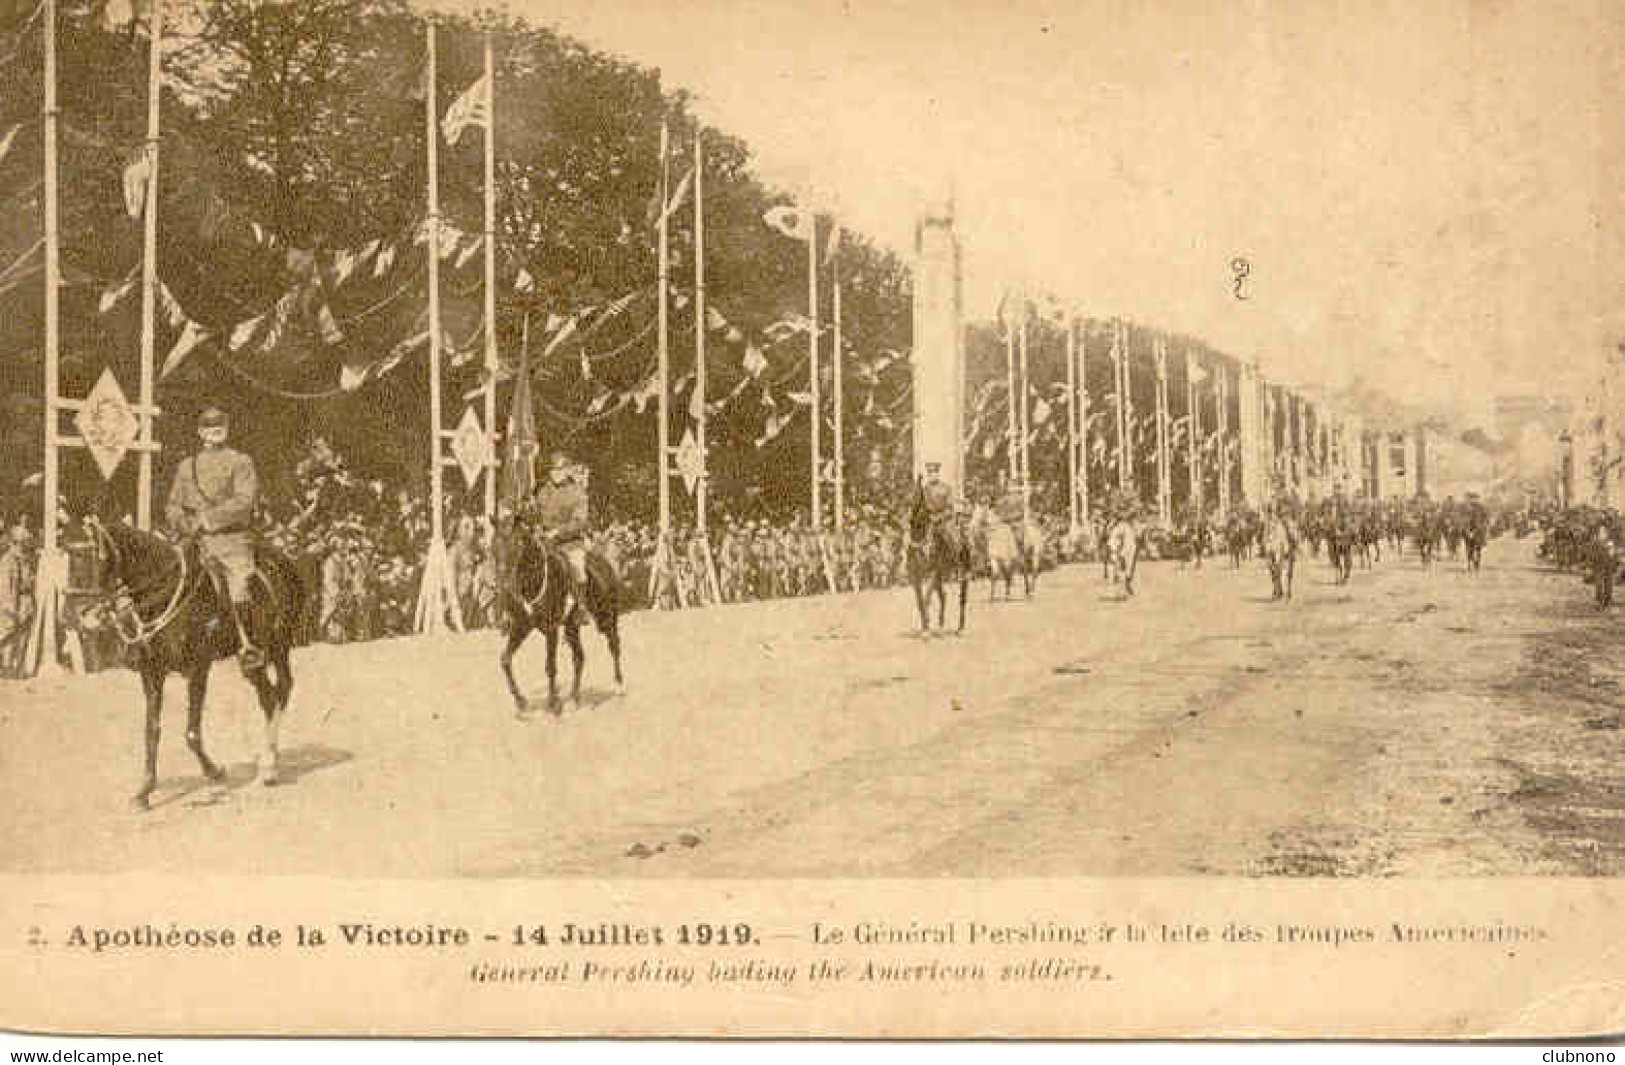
812 519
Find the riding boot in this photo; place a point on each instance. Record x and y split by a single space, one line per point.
249 657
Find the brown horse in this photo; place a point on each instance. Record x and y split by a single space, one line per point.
938 553
173 614
535 579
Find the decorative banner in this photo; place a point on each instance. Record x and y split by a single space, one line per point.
468 446
107 424
690 461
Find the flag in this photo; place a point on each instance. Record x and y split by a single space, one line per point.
678 196
519 462
331 333
793 222
385 260
241 332
696 405
714 320
524 282
190 338
473 108
1041 412
113 295
755 361
468 252
135 184
5 142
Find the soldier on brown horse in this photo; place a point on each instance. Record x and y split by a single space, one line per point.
549 580
938 549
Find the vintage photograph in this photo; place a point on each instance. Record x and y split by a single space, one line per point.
811 440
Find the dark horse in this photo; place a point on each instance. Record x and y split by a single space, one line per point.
534 582
173 614
938 553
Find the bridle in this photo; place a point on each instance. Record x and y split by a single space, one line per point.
118 602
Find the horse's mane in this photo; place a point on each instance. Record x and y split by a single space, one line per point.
143 550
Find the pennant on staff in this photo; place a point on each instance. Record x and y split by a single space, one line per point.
791 221
468 251
775 426
190 338
649 391
113 295
524 282
331 333
5 142
385 260
714 320
243 331
755 362
136 175
472 108
696 405
1041 412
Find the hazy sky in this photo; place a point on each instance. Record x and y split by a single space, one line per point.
1415 183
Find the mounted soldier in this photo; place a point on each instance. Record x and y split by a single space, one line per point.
213 500
562 509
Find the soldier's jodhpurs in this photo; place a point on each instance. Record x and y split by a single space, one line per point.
234 552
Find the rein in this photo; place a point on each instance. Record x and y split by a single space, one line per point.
128 624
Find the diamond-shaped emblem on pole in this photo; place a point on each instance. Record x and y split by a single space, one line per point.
107 424
690 461
469 446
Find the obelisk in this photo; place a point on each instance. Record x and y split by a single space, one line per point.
939 346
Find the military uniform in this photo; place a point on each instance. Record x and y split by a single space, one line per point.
16 600
213 496
562 509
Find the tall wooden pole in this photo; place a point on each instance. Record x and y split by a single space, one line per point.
42 654
699 331
1120 359
840 422
1071 424
1193 430
1165 498
1083 430
1026 427
149 265
664 434
436 520
816 413
490 282
1012 462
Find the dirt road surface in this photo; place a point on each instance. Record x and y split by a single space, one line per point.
1411 723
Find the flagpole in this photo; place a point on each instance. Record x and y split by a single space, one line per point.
699 329
433 599
1026 427
490 281
1010 384
664 434
1071 424
149 267
42 655
812 366
1119 366
840 441
1083 428
1164 482
433 136
1193 418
